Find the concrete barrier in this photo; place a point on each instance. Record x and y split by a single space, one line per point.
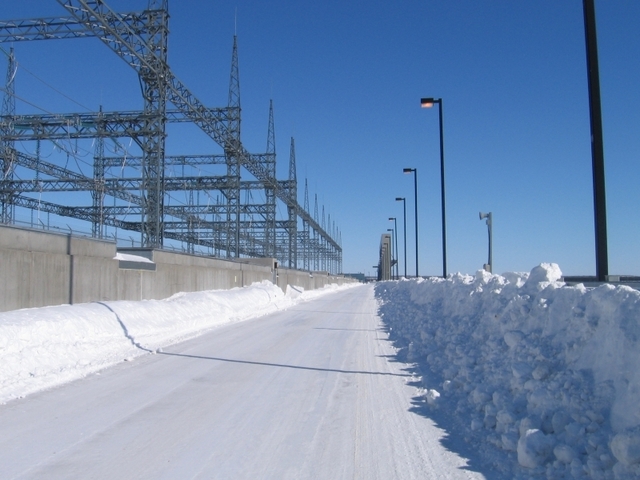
39 269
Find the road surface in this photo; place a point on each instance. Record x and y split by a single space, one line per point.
306 393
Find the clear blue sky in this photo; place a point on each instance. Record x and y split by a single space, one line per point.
346 78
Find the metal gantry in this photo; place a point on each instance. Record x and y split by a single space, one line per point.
135 191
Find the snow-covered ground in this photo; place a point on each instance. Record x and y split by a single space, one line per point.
44 347
302 393
542 378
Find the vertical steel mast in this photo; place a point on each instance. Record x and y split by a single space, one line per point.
292 225
7 150
306 233
270 194
231 147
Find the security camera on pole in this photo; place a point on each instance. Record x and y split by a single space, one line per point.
488 266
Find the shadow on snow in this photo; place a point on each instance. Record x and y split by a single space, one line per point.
280 365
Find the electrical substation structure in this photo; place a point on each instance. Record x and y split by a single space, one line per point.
134 192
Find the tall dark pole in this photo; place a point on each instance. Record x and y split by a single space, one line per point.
427 103
415 182
597 147
395 228
442 201
404 208
393 241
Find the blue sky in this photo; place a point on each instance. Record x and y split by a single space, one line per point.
346 78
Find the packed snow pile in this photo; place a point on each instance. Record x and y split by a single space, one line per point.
541 377
44 347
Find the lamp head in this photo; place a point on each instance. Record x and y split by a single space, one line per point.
408 170
391 219
427 102
400 199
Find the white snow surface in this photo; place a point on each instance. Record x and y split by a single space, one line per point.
541 377
44 347
131 258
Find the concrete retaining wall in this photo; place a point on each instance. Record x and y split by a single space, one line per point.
40 269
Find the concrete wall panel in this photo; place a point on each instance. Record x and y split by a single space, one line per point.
25 279
129 284
49 279
91 247
40 268
103 275
32 240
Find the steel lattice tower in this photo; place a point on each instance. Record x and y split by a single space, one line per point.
134 192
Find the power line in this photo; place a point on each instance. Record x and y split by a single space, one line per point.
19 64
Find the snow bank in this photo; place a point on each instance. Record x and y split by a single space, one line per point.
131 258
44 347
544 378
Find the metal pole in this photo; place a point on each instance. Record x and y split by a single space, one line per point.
395 230
597 148
415 182
490 224
404 209
489 218
392 243
395 227
428 103
442 201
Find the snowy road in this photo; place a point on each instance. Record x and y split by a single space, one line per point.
309 392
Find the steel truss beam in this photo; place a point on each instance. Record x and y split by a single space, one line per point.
119 184
192 237
88 125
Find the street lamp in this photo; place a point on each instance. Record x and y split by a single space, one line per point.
392 244
404 207
395 227
597 146
415 182
489 266
428 103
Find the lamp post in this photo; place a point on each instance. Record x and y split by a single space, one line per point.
428 103
489 266
404 207
392 244
415 183
395 228
597 146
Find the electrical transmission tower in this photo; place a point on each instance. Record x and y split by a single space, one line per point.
136 191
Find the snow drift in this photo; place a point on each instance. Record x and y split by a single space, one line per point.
534 371
44 347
